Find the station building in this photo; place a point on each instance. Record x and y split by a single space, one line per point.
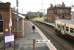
4 18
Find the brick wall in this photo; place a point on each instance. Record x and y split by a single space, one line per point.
5 13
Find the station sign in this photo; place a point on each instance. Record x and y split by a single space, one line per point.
42 41
9 38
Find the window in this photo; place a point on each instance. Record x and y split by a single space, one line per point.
71 30
0 17
1 24
60 11
58 26
63 27
67 29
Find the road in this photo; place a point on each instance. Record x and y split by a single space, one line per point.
60 43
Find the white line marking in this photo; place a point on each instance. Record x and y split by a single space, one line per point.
49 44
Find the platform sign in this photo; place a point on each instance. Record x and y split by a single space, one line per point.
42 41
9 41
9 38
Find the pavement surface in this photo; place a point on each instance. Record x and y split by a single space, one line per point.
26 43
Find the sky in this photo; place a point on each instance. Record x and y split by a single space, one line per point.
37 5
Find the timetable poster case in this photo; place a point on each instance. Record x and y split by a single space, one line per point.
9 40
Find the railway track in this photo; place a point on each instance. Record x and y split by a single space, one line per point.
60 44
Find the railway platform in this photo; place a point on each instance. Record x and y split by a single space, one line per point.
26 43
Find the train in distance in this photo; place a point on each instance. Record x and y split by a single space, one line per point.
66 27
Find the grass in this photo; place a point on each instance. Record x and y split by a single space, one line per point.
1 42
1 38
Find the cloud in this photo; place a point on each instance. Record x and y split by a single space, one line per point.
36 5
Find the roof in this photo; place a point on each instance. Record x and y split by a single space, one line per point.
67 22
21 16
4 5
51 8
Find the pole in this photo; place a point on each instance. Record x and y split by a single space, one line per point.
42 5
33 44
23 26
10 21
17 5
17 15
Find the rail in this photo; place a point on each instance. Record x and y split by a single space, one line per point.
51 24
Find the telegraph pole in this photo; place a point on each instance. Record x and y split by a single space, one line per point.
17 15
17 5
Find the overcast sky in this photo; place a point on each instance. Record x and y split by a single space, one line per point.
37 5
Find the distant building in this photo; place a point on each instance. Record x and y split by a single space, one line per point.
34 14
58 11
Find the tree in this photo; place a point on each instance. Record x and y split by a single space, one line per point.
41 14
